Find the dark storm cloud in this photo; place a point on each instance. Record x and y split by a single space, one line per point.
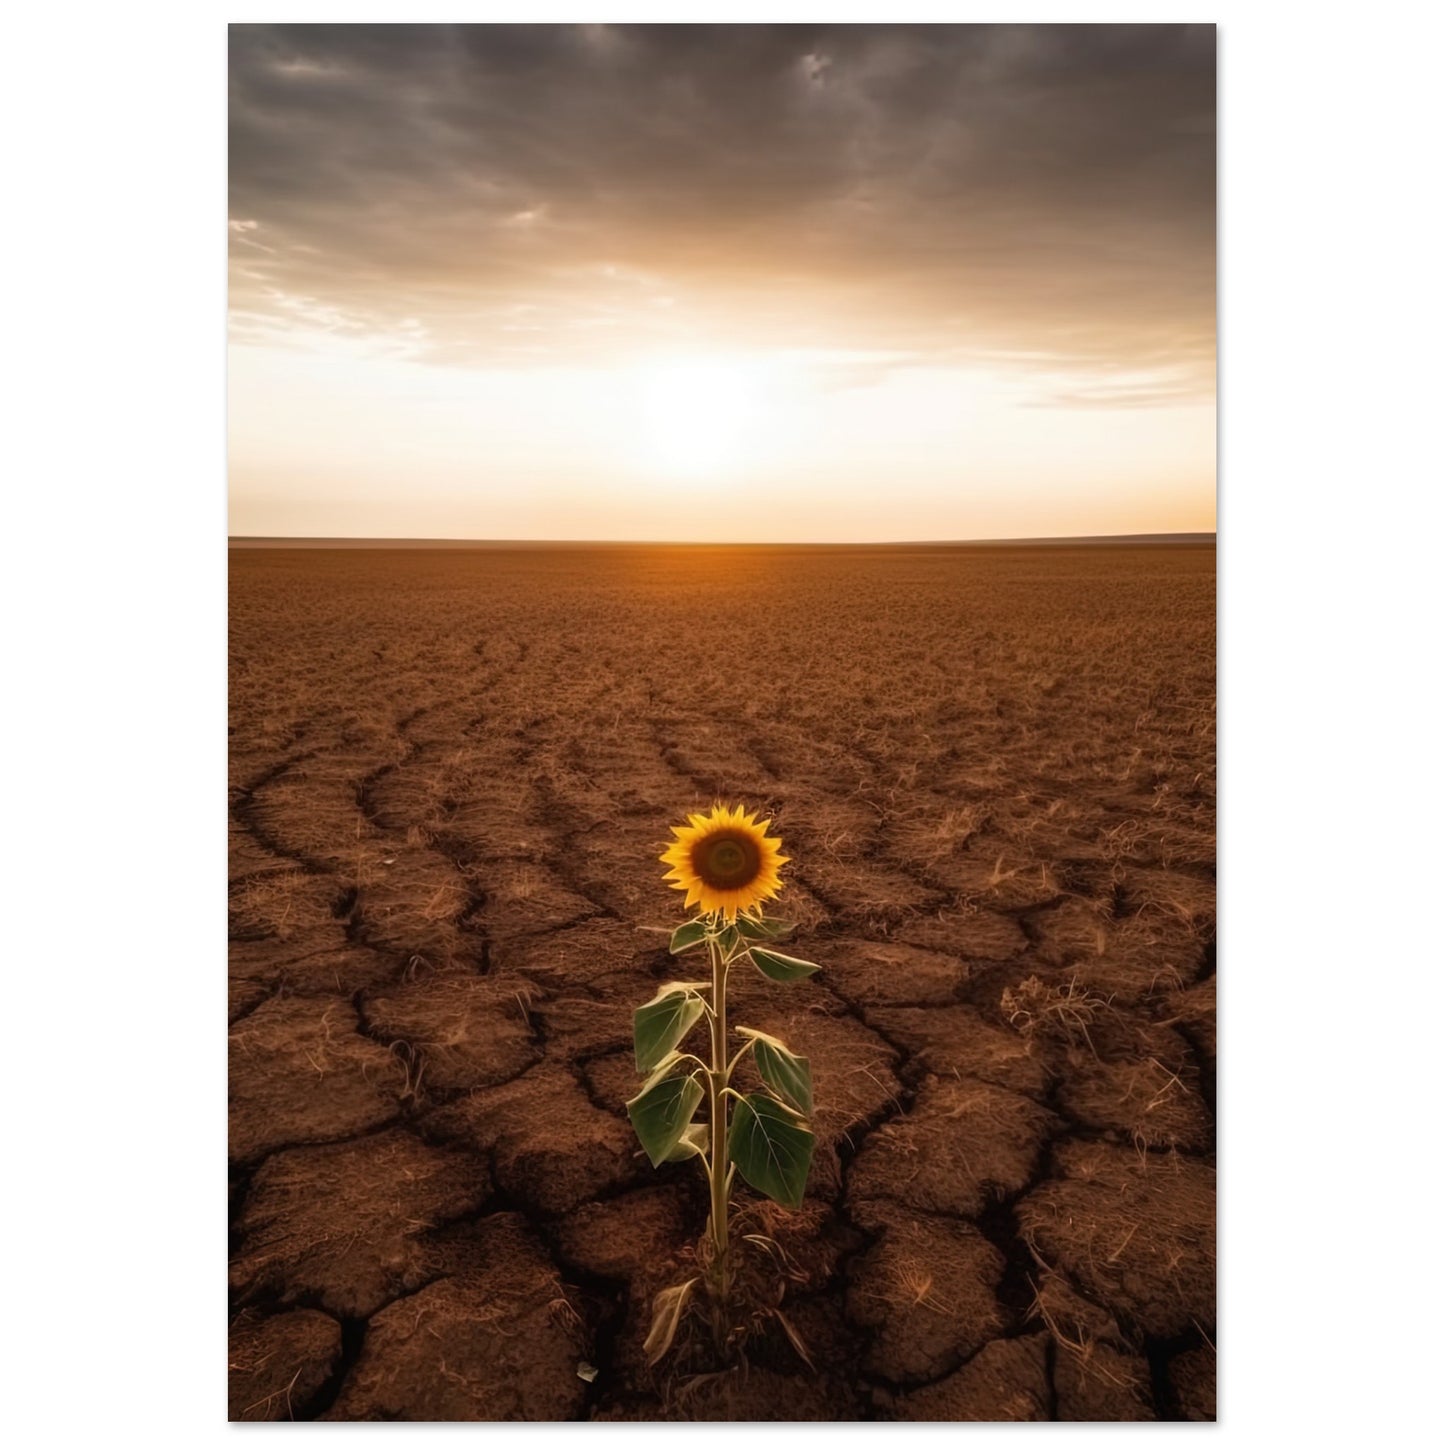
505 192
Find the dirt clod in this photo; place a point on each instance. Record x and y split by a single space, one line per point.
302 1074
347 1224
489 1343
1005 1380
1135 1231
927 1292
963 1144
551 1147
278 1364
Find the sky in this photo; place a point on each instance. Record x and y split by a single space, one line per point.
721 283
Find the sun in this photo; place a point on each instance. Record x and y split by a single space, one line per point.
701 417
725 861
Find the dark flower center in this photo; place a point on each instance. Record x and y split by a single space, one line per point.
726 859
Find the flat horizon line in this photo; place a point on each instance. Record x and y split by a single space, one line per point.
1122 539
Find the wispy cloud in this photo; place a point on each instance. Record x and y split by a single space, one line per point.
521 194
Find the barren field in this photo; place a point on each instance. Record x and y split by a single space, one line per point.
451 776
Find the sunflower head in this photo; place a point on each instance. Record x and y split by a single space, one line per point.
724 861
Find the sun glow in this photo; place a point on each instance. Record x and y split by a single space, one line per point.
798 444
703 417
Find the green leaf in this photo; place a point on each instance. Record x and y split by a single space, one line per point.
661 1112
780 967
787 1074
693 1141
658 1025
762 928
688 936
772 1148
665 1066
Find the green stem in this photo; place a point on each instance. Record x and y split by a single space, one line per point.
717 1080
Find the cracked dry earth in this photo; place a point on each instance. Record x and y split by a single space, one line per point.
452 773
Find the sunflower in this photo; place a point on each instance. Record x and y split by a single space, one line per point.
725 861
